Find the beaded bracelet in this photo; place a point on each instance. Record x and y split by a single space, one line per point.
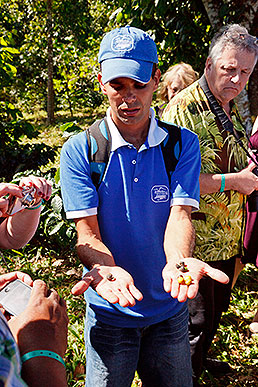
32 354
222 186
35 207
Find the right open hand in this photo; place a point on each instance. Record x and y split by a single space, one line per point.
120 290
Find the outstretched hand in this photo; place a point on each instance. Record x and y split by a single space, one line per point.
196 269
112 283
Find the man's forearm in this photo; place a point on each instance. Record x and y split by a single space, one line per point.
90 248
180 235
43 371
244 182
18 229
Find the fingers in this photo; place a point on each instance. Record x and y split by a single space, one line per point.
120 289
81 286
251 166
124 297
54 296
135 292
8 277
182 292
9 188
167 283
178 291
39 290
25 278
216 274
43 187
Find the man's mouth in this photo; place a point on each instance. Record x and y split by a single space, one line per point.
130 112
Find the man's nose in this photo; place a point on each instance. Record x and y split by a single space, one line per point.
235 78
129 95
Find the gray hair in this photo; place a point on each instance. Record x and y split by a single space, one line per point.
233 36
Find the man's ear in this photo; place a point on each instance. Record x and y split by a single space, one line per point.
102 86
208 64
156 78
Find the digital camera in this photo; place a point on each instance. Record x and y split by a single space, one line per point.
18 204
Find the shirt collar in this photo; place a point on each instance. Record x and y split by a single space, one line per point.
155 136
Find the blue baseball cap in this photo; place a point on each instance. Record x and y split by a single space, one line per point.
127 52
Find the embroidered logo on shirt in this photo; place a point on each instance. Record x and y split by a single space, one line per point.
159 193
122 43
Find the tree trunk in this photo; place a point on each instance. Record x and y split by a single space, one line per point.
50 86
212 8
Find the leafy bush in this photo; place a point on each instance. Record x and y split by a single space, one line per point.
54 231
14 155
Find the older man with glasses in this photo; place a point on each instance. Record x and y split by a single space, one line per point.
207 108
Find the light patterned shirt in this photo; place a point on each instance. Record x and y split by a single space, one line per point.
10 365
219 222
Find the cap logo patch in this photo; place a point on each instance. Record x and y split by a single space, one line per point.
122 43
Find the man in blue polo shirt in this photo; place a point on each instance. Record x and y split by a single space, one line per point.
134 231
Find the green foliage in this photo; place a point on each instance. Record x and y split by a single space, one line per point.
15 156
54 231
77 30
181 29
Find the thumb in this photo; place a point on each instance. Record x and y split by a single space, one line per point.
81 286
39 290
216 274
252 166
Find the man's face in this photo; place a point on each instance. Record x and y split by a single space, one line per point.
228 76
130 100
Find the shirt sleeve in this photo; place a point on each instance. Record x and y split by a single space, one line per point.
79 194
185 188
10 366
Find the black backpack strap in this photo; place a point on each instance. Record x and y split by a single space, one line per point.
215 106
99 142
171 146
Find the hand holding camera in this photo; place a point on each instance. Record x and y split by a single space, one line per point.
28 194
19 200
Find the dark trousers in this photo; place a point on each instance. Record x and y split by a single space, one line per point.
205 312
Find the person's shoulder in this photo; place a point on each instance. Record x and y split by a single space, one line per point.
188 135
185 94
75 141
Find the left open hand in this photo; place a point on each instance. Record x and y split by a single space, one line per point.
196 269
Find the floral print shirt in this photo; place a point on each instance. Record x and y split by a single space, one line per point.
10 365
219 223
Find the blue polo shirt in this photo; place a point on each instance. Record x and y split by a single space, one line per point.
133 205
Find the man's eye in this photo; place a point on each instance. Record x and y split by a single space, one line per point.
116 87
139 85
